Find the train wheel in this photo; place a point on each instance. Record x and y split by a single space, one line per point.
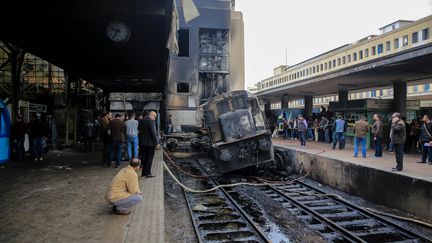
278 162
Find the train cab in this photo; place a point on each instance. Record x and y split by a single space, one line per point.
238 131
5 130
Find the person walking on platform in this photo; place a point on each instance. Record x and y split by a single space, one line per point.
398 136
105 137
302 128
37 132
123 191
132 137
361 129
324 125
377 132
316 129
117 129
19 130
340 127
88 131
426 139
149 141
310 129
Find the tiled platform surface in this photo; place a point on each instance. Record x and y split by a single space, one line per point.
147 223
411 168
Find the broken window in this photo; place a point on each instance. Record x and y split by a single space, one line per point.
183 36
214 46
182 87
213 62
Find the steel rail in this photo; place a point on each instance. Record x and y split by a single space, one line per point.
253 228
344 233
404 231
197 234
238 207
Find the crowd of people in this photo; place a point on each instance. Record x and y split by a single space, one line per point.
37 131
396 134
139 135
141 139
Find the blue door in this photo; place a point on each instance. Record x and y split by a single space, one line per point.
5 129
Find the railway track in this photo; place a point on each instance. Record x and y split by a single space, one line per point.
216 217
337 220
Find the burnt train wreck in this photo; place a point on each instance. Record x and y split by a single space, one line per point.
234 132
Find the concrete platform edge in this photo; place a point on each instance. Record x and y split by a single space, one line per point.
395 190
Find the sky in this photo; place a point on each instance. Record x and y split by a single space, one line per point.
306 28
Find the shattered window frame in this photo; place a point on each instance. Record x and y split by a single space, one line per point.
214 50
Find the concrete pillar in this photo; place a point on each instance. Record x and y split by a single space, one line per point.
17 58
400 97
68 105
285 101
343 95
267 107
308 105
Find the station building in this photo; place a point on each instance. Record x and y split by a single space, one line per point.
210 60
399 38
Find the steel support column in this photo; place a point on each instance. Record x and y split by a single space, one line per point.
343 95
17 58
400 97
285 101
267 109
308 105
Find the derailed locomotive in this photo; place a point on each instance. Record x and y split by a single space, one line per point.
238 132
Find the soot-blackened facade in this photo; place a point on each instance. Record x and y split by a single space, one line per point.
210 60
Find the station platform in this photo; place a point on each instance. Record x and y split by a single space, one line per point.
411 168
62 199
148 219
371 178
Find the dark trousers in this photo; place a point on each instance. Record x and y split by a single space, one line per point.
378 146
147 155
426 152
398 149
19 149
37 148
116 150
327 135
302 137
339 137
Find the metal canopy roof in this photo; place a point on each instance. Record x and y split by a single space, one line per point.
410 66
72 34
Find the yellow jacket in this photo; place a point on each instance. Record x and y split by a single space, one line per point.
123 185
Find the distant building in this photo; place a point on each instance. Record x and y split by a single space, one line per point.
396 37
210 60
395 25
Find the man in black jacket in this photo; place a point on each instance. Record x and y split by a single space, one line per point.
398 136
425 139
149 141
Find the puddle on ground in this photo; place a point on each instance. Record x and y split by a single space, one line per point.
275 234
